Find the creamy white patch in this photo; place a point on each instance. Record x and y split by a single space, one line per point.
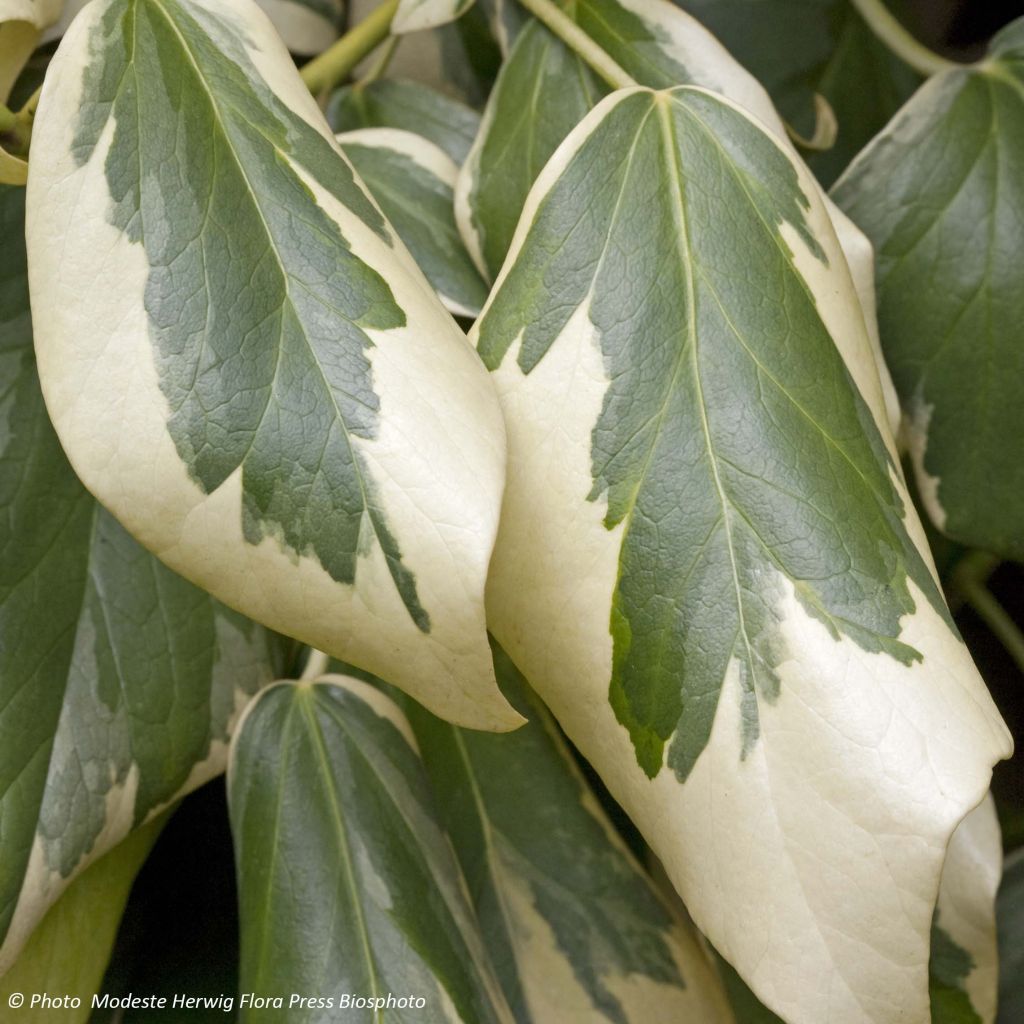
303 30
914 438
421 151
967 901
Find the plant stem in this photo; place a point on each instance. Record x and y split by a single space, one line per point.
577 40
335 63
380 64
316 664
969 587
888 29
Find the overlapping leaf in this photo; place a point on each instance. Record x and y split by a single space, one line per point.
69 951
571 921
347 884
409 106
1010 917
306 26
21 24
243 365
807 47
119 681
708 564
941 194
413 181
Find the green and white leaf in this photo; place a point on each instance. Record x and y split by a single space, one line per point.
69 951
802 48
660 46
708 564
119 681
306 26
347 883
417 15
413 182
577 932
410 106
964 965
941 195
21 26
1010 920
242 361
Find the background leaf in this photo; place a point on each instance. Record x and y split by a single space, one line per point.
347 885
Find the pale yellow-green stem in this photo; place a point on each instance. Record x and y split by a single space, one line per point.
891 32
337 62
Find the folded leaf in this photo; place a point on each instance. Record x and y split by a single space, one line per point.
800 49
306 26
69 951
575 928
347 884
417 15
708 564
412 180
411 106
243 365
119 681
964 965
940 192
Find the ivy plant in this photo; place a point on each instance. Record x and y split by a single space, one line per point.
543 452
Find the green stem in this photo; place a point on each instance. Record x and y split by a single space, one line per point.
889 30
969 587
577 40
337 62
316 664
380 64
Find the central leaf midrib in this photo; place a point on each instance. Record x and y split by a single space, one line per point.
285 276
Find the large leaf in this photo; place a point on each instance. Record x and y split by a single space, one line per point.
306 26
576 930
708 565
799 48
347 884
410 106
413 180
119 681
68 952
242 363
941 194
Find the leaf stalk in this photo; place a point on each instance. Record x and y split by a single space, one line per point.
891 32
338 61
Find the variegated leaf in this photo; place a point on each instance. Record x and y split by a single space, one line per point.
69 951
410 106
244 365
119 681
964 965
417 15
347 883
306 26
660 46
413 181
21 25
577 932
940 192
708 564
